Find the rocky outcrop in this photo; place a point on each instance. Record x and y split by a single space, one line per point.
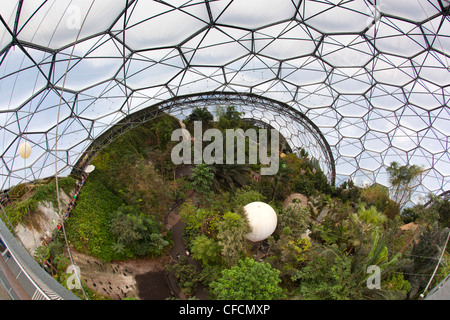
40 224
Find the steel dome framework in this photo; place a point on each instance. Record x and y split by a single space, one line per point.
372 77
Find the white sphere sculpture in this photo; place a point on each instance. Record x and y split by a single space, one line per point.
262 219
25 150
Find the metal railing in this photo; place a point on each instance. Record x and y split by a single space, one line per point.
22 277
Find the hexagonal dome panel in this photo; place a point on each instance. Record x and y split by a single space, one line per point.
370 80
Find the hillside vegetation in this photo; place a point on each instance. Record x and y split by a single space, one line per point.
343 242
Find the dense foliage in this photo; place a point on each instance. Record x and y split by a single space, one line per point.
88 227
248 280
324 248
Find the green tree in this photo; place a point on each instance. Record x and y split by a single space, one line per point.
288 254
137 232
296 218
281 181
230 176
231 234
206 250
128 225
41 254
368 238
245 195
228 118
328 278
403 180
200 114
163 132
140 183
435 213
377 195
397 283
202 180
186 274
377 254
248 280
198 218
359 228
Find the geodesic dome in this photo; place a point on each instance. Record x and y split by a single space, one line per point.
371 77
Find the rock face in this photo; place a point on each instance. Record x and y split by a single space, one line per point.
137 278
39 224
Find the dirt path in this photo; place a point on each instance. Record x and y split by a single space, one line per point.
179 249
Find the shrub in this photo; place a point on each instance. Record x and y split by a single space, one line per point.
376 195
17 214
248 280
136 234
328 279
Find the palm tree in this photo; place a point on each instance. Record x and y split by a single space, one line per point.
118 247
163 131
403 180
200 114
281 178
230 176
